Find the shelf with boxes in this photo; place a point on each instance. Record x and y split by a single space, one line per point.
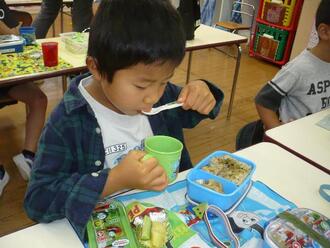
275 29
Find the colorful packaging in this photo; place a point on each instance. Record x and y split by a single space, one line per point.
109 227
298 228
156 227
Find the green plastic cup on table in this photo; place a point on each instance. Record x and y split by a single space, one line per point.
167 150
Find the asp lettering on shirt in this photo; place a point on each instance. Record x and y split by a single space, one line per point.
321 87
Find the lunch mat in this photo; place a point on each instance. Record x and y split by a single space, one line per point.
27 62
248 220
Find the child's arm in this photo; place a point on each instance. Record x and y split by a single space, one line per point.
268 117
135 173
196 95
201 100
268 102
65 182
4 29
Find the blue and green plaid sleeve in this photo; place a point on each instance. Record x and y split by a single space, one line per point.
67 177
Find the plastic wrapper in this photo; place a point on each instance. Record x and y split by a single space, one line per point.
156 227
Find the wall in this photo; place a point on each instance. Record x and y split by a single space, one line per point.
306 22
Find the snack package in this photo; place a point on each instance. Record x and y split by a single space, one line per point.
109 227
299 227
156 227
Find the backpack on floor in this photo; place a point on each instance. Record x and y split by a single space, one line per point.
250 134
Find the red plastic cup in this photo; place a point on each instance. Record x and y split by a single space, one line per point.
50 53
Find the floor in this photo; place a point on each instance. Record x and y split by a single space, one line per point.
208 136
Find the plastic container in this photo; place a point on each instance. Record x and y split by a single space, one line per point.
75 42
50 53
232 192
299 228
110 227
12 46
29 34
278 34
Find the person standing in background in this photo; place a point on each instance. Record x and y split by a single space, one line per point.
82 14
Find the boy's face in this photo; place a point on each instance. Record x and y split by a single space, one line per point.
137 88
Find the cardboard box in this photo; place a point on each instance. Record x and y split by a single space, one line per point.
274 13
267 46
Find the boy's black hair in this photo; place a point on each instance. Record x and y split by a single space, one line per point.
127 32
323 13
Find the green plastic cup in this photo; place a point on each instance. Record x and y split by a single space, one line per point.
167 150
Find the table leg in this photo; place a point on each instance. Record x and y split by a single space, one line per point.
233 88
62 19
64 83
53 28
189 66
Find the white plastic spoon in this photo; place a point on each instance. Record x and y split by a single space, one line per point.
166 106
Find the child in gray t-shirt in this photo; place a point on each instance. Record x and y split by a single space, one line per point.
302 86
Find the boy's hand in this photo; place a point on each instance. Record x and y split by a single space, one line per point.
134 173
197 96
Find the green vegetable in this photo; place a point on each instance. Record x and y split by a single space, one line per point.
146 228
158 234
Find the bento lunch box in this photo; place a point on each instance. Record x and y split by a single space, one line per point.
232 192
12 46
75 42
298 228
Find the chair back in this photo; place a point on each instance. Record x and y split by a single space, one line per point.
242 8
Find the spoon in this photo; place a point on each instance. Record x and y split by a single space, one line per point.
166 106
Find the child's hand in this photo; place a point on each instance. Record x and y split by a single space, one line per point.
197 96
135 173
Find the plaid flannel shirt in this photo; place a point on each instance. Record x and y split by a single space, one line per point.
68 175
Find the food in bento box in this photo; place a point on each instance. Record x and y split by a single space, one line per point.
229 168
212 184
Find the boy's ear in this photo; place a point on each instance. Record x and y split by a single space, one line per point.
323 31
92 67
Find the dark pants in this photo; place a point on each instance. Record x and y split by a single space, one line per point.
82 14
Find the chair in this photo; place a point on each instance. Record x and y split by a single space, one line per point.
235 24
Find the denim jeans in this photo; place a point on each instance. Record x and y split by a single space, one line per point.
81 11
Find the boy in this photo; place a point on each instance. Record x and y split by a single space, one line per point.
302 86
91 145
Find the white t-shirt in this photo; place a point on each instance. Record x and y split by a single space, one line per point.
305 84
120 133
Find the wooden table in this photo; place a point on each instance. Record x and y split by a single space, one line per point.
77 62
205 37
285 173
305 139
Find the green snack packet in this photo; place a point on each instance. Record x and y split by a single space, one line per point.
109 227
156 227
